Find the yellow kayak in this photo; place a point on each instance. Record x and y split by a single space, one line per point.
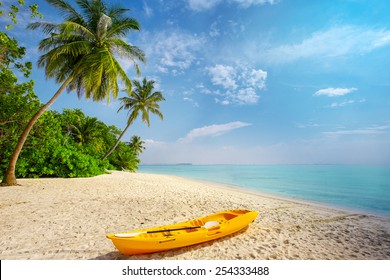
182 234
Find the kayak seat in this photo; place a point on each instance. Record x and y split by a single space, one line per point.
229 216
197 223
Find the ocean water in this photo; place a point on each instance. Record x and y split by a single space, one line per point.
360 188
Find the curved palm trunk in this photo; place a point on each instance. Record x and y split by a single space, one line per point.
116 143
9 176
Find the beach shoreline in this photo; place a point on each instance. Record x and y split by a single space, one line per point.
69 219
260 193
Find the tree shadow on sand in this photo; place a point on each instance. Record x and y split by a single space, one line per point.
174 253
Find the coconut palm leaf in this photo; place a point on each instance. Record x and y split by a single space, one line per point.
142 100
67 10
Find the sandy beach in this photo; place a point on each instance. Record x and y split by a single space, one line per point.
69 219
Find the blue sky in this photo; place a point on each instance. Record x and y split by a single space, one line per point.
255 81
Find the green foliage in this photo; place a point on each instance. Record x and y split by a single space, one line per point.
86 47
51 150
93 137
17 100
136 144
60 145
11 11
16 110
68 161
142 101
84 131
124 158
10 58
67 144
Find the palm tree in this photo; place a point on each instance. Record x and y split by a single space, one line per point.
142 100
80 53
136 144
84 131
124 158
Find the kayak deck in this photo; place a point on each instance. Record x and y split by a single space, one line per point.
182 234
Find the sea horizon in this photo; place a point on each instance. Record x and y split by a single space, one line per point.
364 188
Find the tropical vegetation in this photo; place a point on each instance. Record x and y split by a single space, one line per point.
81 54
66 144
136 144
142 100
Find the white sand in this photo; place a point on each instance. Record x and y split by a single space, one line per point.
69 218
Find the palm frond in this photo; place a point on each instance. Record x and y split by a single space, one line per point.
142 100
47 27
92 11
74 29
117 12
123 27
85 46
67 10
126 50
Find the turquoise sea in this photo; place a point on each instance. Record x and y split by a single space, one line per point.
360 188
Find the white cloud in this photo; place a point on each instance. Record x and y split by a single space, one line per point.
249 3
247 95
352 132
192 101
335 105
239 84
202 5
373 130
341 104
256 78
214 30
161 69
334 91
334 42
148 11
235 27
223 76
212 130
227 28
172 50
153 142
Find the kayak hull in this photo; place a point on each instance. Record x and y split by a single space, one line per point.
182 234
